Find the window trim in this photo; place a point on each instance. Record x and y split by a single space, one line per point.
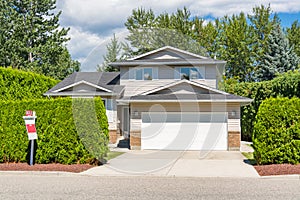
143 73
200 70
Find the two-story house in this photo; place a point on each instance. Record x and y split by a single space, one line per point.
166 99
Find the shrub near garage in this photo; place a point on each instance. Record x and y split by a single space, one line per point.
276 136
60 137
285 85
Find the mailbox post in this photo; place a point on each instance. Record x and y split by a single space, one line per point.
31 131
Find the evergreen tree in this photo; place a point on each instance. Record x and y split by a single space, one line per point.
31 39
112 55
293 34
279 56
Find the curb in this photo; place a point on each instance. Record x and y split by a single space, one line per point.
290 176
39 173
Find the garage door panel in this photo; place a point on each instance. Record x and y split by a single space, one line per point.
185 135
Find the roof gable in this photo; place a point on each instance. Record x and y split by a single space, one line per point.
81 85
184 87
168 52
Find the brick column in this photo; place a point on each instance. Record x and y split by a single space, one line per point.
113 136
135 140
234 140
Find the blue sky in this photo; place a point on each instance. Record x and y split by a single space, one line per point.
93 22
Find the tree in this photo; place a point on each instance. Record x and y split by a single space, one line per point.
31 39
293 34
279 56
112 55
149 32
235 47
262 24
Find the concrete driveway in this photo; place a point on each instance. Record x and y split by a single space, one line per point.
177 163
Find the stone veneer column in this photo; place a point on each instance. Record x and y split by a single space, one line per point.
135 140
234 140
113 136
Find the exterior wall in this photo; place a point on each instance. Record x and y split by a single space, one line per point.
133 87
166 75
233 109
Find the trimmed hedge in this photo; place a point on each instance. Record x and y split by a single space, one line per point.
286 85
69 130
276 136
20 85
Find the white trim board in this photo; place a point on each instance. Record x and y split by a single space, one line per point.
84 82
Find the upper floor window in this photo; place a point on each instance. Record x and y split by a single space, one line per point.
143 74
189 73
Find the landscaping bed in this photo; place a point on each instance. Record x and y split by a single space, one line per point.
76 168
277 169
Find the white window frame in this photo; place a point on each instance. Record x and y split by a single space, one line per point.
133 73
200 70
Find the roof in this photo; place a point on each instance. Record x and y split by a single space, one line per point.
170 49
211 95
107 82
221 98
184 81
178 57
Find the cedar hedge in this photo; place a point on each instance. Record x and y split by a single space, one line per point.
20 85
276 135
285 85
69 130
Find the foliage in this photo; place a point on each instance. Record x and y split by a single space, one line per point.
19 85
278 57
31 39
238 39
148 32
61 137
276 136
293 34
236 42
286 85
113 51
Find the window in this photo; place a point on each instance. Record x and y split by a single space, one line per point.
191 73
143 74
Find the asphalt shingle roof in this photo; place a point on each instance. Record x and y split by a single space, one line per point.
108 80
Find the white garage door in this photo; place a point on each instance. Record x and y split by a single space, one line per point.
184 131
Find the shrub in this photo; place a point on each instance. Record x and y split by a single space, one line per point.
20 85
286 85
276 135
69 130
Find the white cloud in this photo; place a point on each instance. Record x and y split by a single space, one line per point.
93 22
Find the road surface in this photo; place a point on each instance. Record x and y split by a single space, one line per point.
51 186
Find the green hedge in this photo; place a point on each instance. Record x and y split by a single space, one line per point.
286 85
69 130
20 85
276 135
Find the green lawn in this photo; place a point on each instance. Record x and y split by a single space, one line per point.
250 157
112 154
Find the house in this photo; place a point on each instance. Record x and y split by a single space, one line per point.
165 99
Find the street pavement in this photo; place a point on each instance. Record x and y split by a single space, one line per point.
177 164
75 186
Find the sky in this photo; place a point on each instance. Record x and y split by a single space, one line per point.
93 22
